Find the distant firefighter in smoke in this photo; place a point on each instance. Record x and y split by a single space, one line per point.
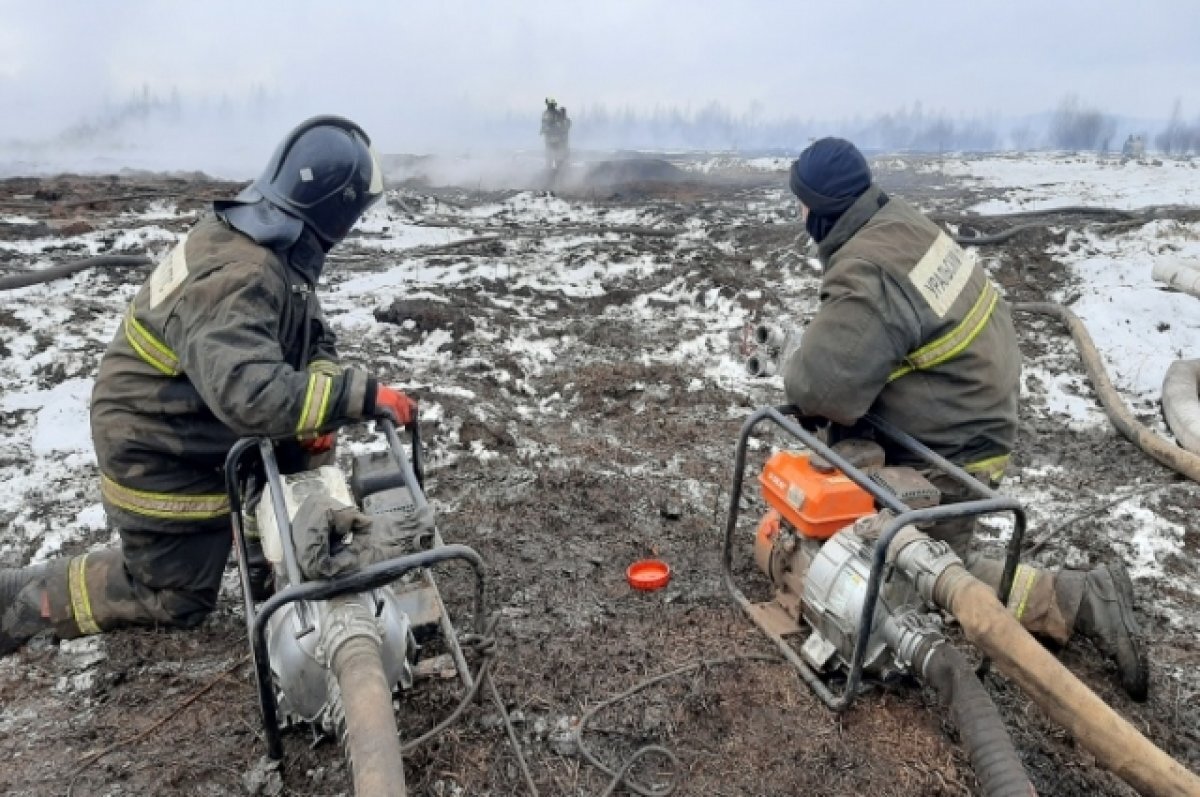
556 128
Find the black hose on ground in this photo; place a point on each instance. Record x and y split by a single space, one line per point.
997 238
24 280
1068 210
993 756
1122 216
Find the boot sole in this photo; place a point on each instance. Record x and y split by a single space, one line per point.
1135 673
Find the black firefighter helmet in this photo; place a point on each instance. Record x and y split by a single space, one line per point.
325 173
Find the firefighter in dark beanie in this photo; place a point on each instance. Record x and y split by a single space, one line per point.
911 329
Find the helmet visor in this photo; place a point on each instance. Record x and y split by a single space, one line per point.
375 188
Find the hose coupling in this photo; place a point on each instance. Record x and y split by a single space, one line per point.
761 365
770 336
921 558
347 618
912 636
774 344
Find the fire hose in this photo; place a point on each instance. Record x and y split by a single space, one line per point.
1181 402
25 279
1121 216
370 737
1174 457
987 623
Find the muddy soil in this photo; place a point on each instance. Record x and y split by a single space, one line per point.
630 457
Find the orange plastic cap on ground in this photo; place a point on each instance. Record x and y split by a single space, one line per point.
648 575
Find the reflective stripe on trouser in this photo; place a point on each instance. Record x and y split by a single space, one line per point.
1036 599
152 579
81 601
166 506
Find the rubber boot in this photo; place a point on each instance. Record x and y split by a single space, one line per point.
262 586
1105 616
257 567
35 599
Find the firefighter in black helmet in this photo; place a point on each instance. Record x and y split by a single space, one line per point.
225 339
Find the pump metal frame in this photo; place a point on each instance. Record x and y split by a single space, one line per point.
301 591
986 501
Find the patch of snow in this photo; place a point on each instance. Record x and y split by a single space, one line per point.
1151 540
1066 394
134 240
1048 180
62 416
451 390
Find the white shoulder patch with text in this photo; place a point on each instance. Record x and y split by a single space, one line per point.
169 274
942 273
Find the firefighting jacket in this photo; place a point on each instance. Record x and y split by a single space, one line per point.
911 329
224 340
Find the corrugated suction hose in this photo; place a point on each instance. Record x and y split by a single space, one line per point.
993 757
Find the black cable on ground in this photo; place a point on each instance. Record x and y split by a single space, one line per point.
1034 546
485 645
512 736
621 775
24 280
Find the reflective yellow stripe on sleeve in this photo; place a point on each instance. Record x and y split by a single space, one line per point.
153 351
316 403
954 342
81 602
168 506
327 367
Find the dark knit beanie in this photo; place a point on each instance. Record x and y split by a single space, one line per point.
828 177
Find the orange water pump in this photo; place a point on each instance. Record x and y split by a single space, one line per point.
817 502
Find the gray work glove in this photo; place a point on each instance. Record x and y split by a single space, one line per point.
392 534
332 539
323 532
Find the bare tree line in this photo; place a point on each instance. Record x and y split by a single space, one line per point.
1073 125
1179 137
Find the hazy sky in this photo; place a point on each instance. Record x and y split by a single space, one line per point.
407 70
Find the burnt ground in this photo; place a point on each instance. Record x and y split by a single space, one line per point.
561 469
